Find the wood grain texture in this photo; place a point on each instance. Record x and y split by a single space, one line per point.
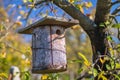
49 53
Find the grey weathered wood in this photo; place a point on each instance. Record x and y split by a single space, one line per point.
48 20
49 53
48 44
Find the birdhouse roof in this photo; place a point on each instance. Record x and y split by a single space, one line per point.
48 21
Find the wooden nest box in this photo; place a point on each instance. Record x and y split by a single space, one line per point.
48 44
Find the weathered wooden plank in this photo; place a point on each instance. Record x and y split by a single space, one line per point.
48 20
49 54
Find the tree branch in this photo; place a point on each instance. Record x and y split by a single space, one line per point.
84 21
102 11
114 3
116 11
70 9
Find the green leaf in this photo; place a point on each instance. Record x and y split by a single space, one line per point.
116 76
101 25
30 0
109 38
117 65
27 75
78 61
95 72
107 23
80 70
116 25
108 67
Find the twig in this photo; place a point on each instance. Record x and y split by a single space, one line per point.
116 11
116 2
41 1
85 75
14 48
30 11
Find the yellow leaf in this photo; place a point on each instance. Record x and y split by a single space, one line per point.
86 62
85 59
22 12
54 10
3 54
71 1
44 77
18 23
102 60
81 8
3 75
101 75
76 27
88 4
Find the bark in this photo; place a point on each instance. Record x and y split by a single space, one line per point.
102 11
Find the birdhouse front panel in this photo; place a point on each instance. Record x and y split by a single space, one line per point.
48 46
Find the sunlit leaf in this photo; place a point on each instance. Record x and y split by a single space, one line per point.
44 77
30 0
107 22
116 25
18 23
102 60
117 77
76 27
3 54
86 62
24 1
117 65
22 12
95 72
101 25
71 1
108 67
27 75
88 4
81 8
109 38
101 76
3 75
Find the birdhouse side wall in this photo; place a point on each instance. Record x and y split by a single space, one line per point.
49 52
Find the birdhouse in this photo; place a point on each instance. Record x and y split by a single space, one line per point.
48 44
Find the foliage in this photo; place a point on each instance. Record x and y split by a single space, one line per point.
12 46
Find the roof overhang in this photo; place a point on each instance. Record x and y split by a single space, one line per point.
48 21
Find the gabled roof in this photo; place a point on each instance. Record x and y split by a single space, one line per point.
50 21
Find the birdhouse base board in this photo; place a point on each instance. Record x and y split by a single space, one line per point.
47 71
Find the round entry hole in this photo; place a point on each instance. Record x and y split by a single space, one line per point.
58 32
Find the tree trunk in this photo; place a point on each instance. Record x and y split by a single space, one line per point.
100 47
